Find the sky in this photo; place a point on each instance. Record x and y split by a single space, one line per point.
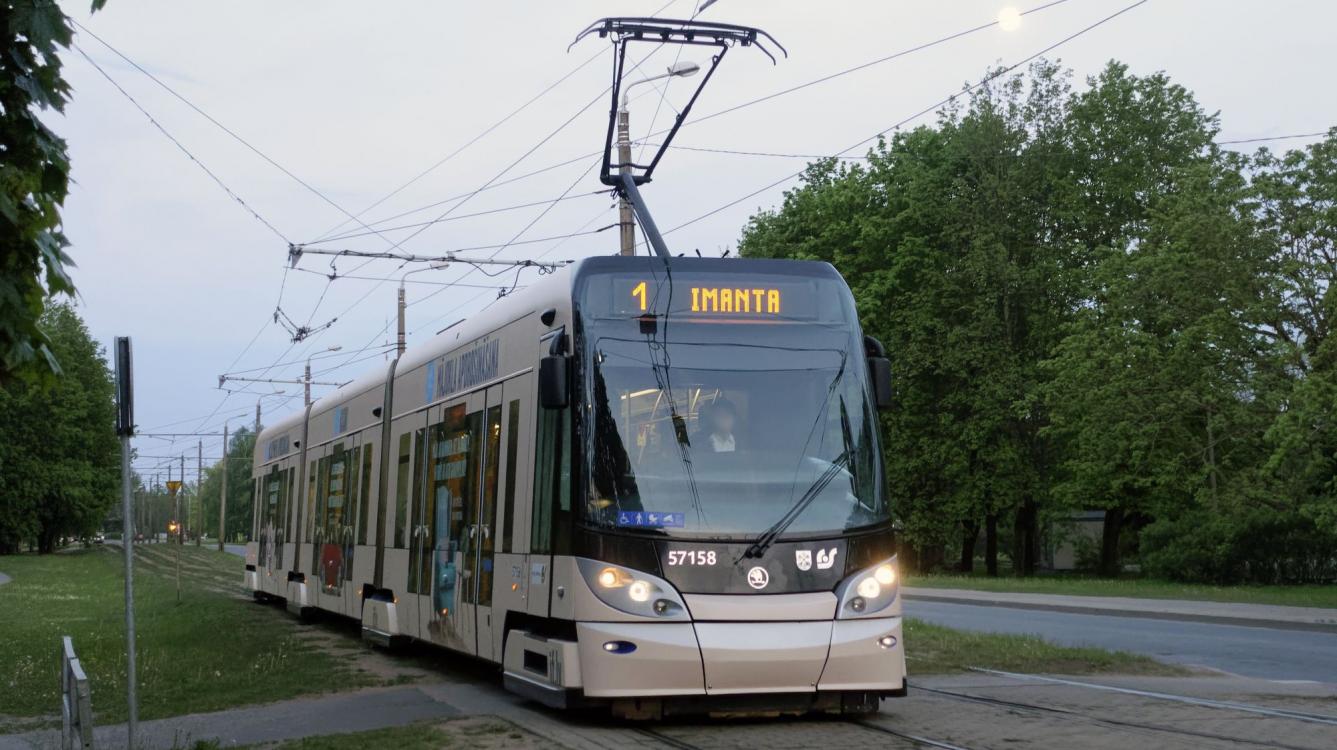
335 104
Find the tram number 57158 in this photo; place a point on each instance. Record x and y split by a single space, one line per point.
691 557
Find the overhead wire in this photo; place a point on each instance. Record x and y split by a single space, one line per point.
927 110
159 126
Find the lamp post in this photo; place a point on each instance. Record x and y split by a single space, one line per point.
625 221
435 265
306 379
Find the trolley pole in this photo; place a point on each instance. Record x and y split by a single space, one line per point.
199 485
222 496
125 427
626 222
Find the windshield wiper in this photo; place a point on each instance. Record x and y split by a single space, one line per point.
768 537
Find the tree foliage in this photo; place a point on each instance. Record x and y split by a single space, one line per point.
240 453
59 455
34 180
1090 306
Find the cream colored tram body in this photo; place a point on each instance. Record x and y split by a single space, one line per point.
648 483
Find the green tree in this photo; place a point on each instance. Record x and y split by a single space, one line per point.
240 453
34 179
945 239
59 459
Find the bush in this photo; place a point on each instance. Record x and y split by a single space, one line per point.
1256 547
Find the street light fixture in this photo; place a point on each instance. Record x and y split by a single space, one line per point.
306 380
684 69
435 265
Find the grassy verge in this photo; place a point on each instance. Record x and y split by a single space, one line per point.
213 650
482 733
933 649
1077 585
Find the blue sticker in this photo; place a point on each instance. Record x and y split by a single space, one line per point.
649 519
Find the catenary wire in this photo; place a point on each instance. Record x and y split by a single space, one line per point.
927 110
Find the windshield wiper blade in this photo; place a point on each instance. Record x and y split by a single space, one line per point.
768 537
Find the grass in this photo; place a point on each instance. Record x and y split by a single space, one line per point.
1144 588
933 649
211 651
483 733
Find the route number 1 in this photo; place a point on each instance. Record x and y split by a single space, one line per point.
638 291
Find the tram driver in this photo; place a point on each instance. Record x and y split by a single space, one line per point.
720 418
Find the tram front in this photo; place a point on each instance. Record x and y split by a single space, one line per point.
731 534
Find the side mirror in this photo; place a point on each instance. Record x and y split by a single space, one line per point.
879 369
554 381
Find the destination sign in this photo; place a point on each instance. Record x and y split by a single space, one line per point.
723 296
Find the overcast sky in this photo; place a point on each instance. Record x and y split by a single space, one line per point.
357 98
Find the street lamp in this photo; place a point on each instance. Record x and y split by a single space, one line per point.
306 380
625 221
435 265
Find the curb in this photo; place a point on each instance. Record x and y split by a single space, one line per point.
1248 622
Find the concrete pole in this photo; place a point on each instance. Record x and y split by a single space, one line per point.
257 422
222 498
181 528
306 381
199 485
626 221
399 339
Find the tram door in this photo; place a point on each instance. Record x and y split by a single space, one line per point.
460 502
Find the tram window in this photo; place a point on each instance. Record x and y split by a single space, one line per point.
402 492
419 448
365 494
488 510
512 447
323 492
552 475
307 528
336 495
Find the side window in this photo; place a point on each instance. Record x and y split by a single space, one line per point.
365 495
336 501
512 447
402 491
552 475
322 494
310 503
419 449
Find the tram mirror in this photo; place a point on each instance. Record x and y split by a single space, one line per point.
879 369
554 390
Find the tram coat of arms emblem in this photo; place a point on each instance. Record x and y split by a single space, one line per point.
803 559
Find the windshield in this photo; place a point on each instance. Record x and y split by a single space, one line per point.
717 428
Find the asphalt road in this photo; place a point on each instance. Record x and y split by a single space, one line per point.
237 549
1254 652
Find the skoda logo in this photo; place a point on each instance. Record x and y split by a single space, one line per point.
757 578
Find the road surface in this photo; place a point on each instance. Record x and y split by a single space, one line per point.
1273 654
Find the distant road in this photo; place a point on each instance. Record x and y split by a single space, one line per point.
237 549
1252 651
3 579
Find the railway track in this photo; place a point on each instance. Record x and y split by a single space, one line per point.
1140 727
834 734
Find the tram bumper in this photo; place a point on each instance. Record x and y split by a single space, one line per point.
634 660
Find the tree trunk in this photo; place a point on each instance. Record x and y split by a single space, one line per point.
991 545
970 533
1026 539
1110 562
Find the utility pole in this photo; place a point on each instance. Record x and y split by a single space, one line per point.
181 528
306 384
125 429
399 339
199 485
626 223
222 498
257 424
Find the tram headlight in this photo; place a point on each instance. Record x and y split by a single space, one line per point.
868 592
632 591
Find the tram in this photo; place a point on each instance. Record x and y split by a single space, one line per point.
653 483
